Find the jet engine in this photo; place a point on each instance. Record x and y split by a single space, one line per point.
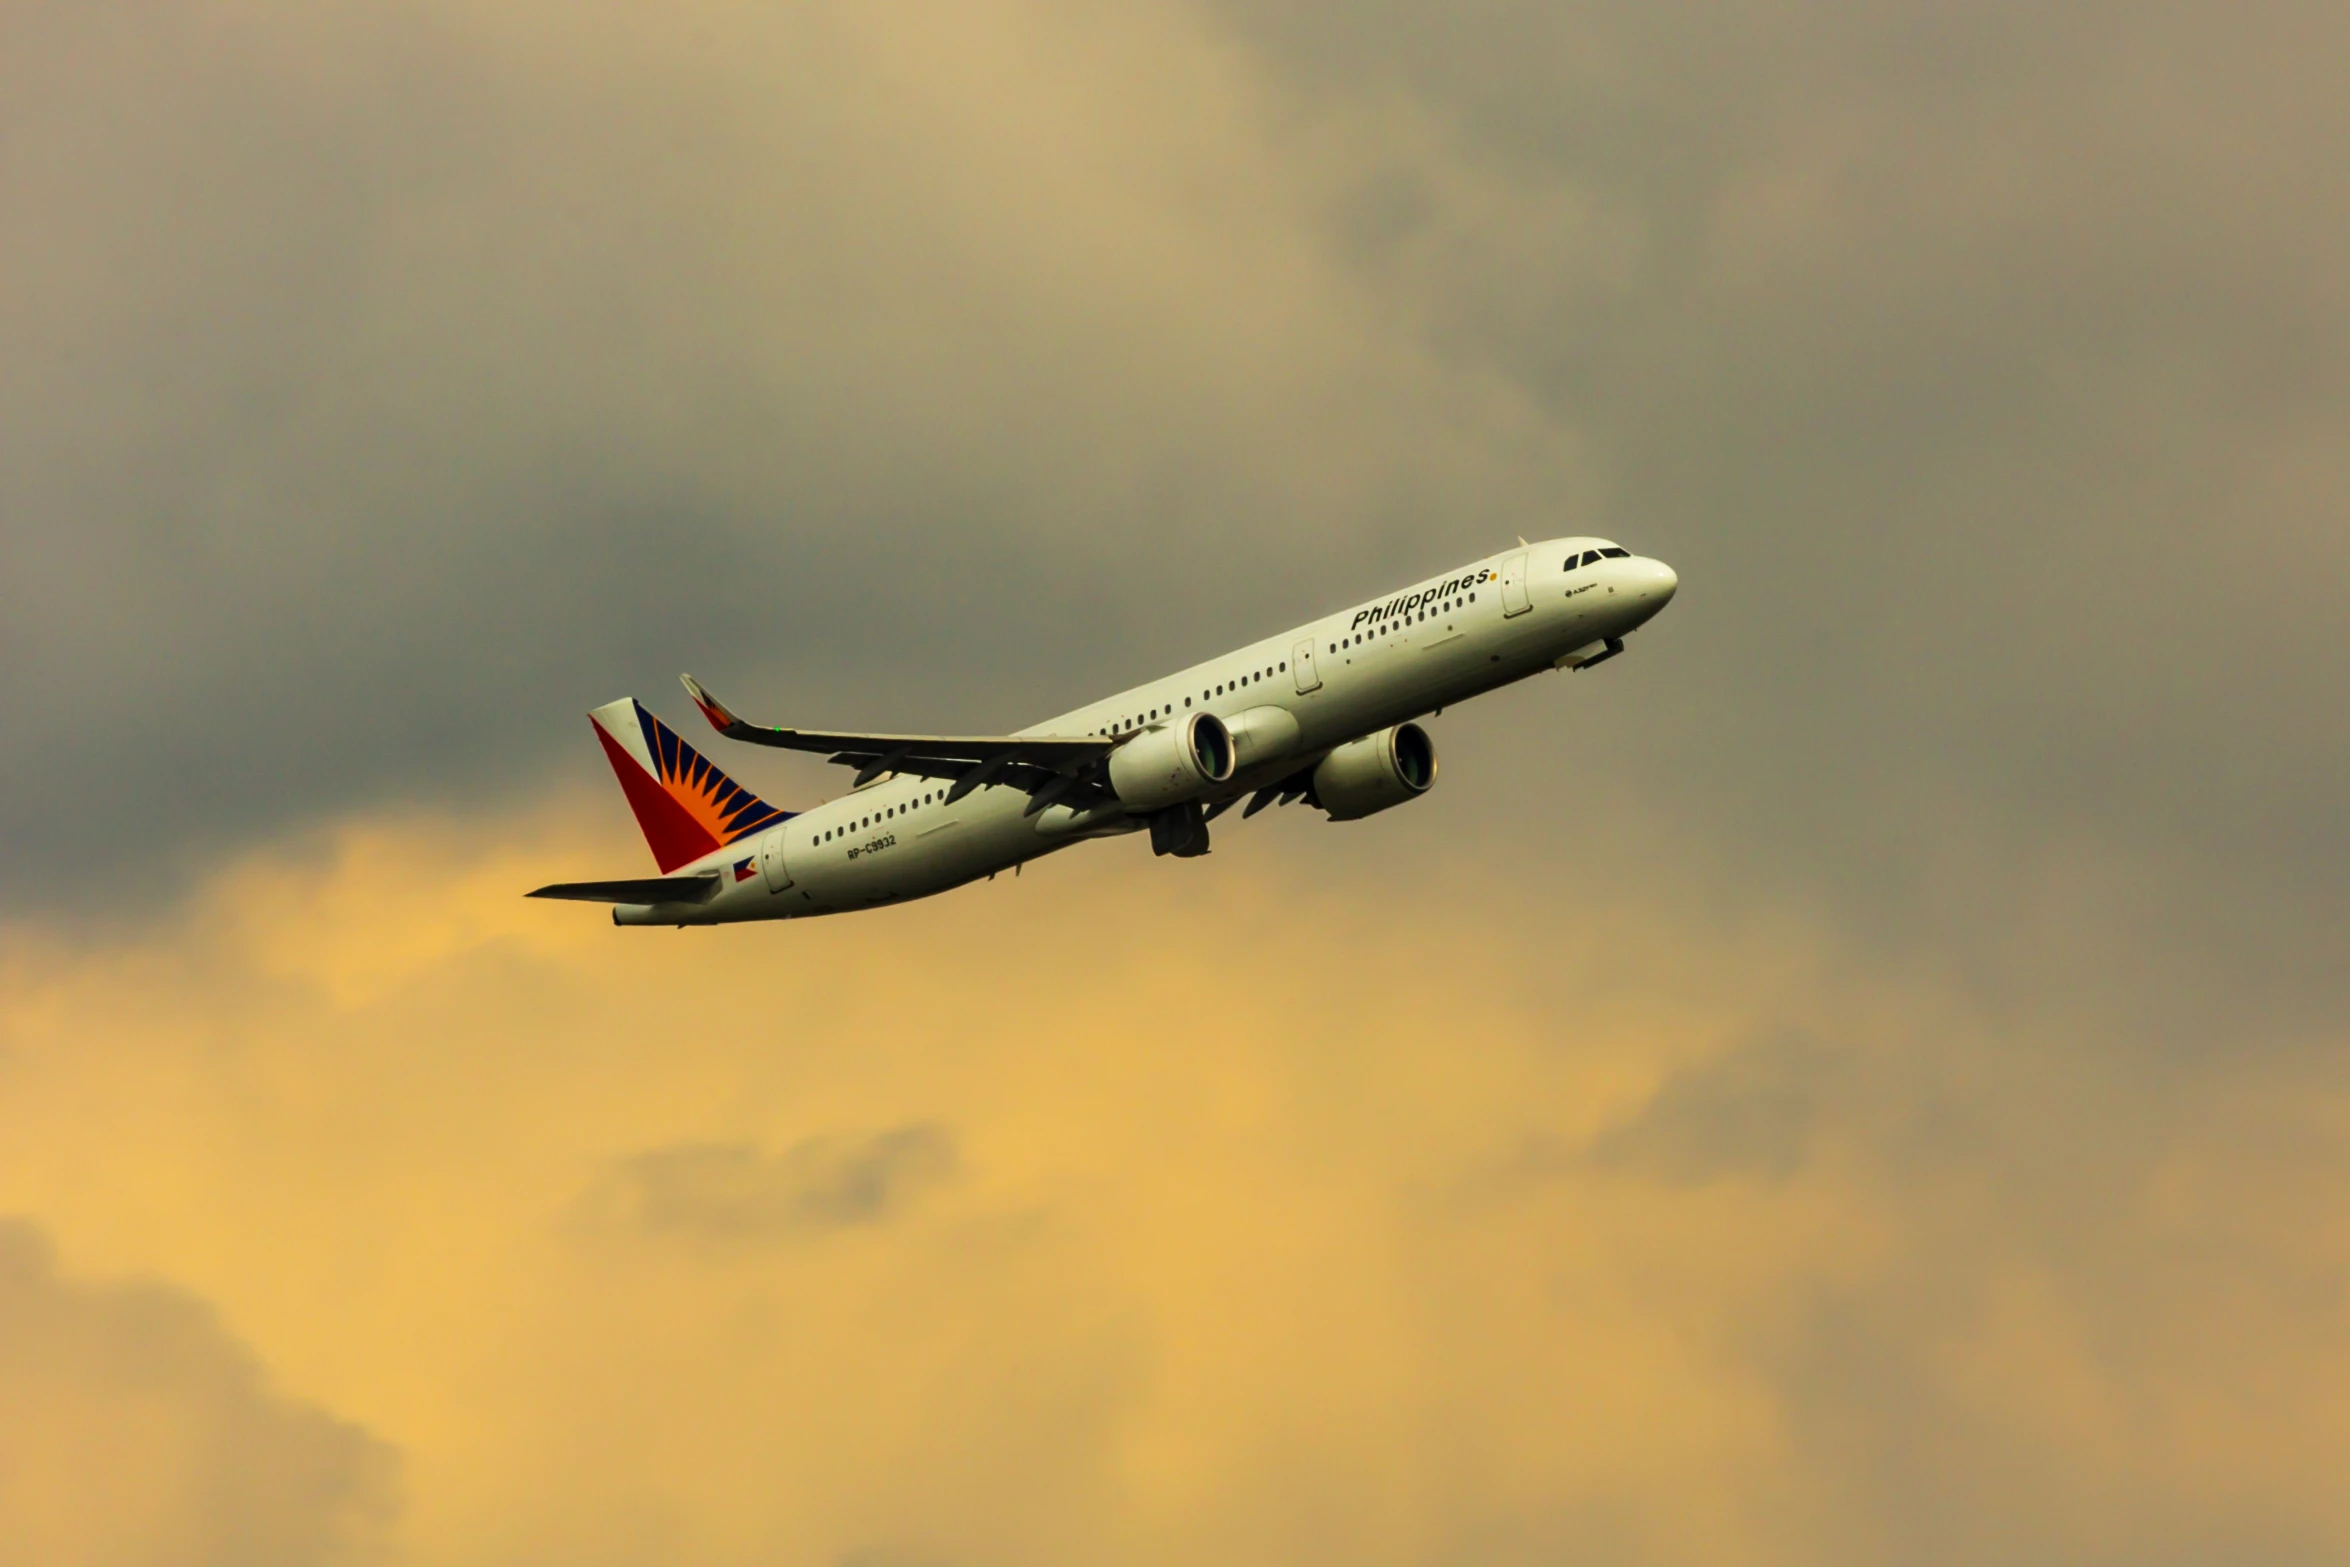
1172 763
1366 776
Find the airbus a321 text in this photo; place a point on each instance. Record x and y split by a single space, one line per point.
1323 714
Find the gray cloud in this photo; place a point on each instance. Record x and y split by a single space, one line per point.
1753 1111
134 1429
382 388
1983 371
375 400
736 1191
378 393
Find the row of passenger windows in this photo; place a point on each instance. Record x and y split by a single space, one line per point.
1588 556
1445 608
1153 715
880 816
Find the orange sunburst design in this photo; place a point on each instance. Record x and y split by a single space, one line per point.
717 804
686 807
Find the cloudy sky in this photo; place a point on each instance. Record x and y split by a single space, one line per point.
1860 1080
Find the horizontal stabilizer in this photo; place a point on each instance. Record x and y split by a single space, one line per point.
649 889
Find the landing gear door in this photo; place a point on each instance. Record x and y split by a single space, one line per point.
771 860
1301 662
1513 587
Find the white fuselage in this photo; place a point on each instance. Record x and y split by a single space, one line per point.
1439 642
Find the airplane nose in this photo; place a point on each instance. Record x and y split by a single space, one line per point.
1658 583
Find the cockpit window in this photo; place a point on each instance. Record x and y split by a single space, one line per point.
1615 554
1589 556
1573 561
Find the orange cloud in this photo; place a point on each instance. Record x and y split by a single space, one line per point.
1120 1211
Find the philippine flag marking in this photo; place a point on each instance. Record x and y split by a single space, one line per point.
742 869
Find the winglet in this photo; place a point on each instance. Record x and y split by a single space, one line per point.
712 709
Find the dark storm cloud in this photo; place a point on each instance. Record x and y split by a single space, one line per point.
375 395
381 385
133 1428
377 392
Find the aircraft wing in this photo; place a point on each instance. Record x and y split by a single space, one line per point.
1063 768
651 889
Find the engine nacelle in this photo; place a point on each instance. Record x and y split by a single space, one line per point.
1171 763
1366 776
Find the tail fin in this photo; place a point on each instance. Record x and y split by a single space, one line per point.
686 806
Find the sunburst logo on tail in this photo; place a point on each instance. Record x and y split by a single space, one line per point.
685 805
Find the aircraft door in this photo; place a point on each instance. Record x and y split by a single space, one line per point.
1301 663
771 860
1513 587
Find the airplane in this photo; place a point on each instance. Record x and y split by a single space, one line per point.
1324 714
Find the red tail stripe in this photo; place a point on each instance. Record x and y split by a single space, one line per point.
671 831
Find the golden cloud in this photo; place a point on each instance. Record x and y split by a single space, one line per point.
1127 1211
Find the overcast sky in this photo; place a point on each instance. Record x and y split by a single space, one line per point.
1900 1113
